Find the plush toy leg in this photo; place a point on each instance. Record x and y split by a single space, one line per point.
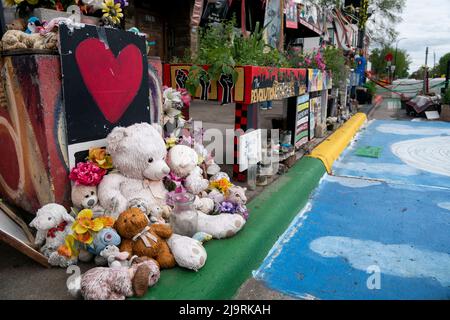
220 226
189 253
165 258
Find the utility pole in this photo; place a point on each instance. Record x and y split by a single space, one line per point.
425 80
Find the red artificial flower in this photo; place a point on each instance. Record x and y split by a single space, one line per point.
87 174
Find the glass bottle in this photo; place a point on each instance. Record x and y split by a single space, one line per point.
184 217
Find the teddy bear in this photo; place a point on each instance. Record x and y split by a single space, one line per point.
138 152
182 161
114 257
16 39
53 224
85 197
138 238
102 283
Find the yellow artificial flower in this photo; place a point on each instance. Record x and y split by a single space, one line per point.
32 2
222 185
11 3
100 158
107 221
112 11
170 142
84 222
85 238
68 249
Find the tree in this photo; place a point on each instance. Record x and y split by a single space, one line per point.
379 63
419 74
441 68
380 26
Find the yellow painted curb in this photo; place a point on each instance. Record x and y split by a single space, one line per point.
330 149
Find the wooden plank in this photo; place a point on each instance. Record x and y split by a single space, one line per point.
4 207
13 235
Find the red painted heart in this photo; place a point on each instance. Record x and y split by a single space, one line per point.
112 82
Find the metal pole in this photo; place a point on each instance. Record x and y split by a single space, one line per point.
425 80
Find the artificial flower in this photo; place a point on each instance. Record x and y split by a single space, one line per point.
123 3
11 3
85 223
68 249
222 185
100 158
112 11
171 141
32 2
87 173
226 207
107 221
185 97
172 99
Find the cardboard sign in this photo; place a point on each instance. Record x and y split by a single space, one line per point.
315 114
105 83
269 84
315 80
215 12
291 15
302 121
249 148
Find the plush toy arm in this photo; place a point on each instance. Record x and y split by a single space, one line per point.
127 246
110 196
162 230
40 237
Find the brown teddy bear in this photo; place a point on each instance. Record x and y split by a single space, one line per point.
138 238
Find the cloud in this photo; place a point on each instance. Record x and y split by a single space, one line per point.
425 23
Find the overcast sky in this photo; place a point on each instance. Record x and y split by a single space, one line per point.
425 23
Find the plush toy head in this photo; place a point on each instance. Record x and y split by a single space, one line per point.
138 151
104 238
236 194
182 160
131 222
49 216
84 196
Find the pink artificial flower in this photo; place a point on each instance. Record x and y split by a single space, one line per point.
185 97
87 174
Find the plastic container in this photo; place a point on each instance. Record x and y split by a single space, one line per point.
184 217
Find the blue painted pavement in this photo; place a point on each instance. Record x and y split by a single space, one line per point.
373 234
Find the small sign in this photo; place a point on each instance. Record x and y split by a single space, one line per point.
302 121
249 149
105 83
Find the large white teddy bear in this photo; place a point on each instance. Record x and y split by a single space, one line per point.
138 152
182 161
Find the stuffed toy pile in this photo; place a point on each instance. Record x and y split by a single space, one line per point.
122 202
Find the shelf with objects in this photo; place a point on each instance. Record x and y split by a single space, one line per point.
253 87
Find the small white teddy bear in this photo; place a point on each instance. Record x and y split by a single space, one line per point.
85 197
53 224
114 257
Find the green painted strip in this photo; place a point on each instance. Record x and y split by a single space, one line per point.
231 261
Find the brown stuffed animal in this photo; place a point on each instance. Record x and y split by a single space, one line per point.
142 240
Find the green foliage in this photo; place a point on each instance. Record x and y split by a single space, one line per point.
335 62
221 47
441 68
371 87
379 64
446 97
